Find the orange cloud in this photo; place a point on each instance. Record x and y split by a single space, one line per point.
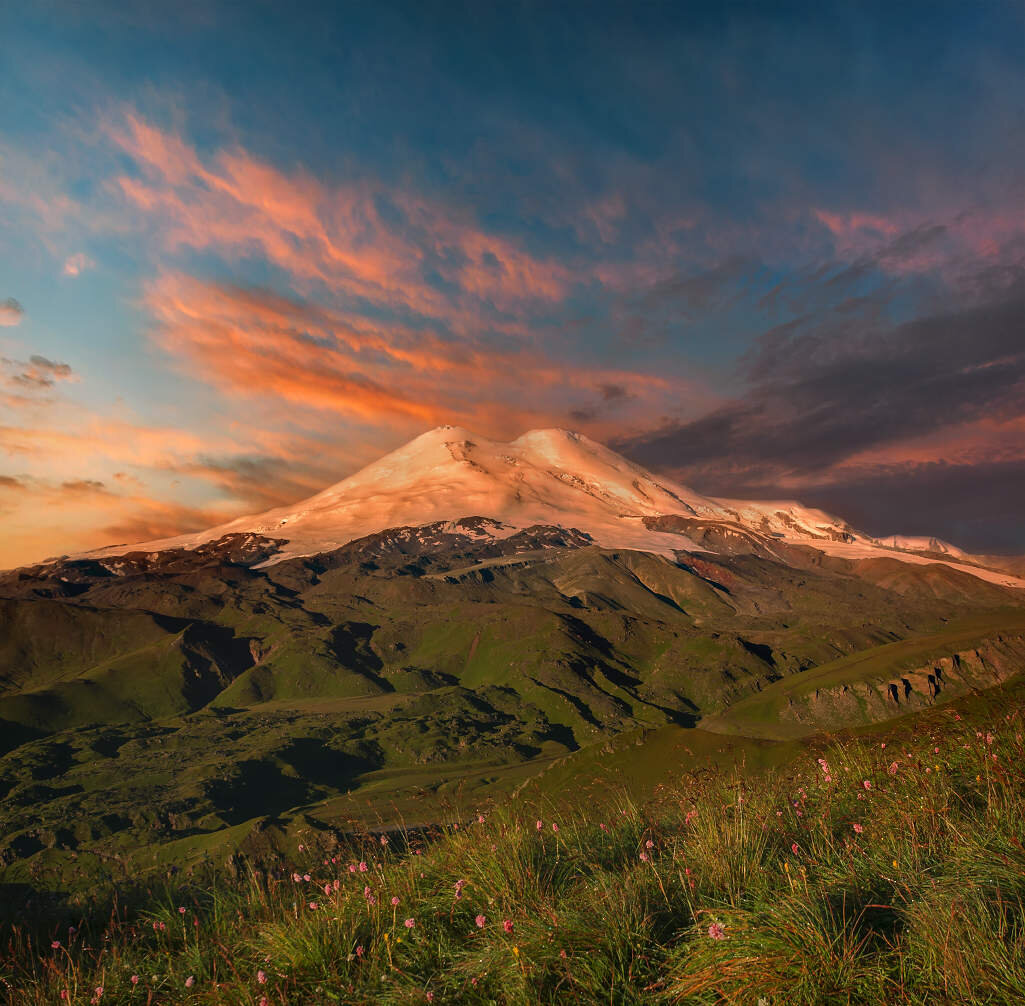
90 516
241 206
256 345
847 226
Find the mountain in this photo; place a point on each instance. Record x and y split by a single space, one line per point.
459 619
555 478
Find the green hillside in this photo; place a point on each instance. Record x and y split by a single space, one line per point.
193 705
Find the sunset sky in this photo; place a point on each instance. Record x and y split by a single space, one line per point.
774 250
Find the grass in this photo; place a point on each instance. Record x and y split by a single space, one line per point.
765 714
879 869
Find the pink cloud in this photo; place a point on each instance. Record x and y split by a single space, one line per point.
75 265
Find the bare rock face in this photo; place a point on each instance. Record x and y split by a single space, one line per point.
989 663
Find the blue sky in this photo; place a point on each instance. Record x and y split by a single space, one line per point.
270 243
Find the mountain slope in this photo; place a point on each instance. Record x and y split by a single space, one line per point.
562 479
453 621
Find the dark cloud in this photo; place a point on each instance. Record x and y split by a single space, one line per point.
11 312
816 399
609 397
613 392
261 482
821 391
977 506
9 482
39 373
698 293
58 370
83 486
910 244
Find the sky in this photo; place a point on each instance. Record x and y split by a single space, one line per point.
771 250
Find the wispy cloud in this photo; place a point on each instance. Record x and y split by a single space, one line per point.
390 247
76 264
251 343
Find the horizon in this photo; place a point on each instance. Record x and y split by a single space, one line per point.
768 254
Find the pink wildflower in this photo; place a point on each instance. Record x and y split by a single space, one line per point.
793 848
644 857
261 977
181 910
363 867
134 979
327 888
555 827
56 945
893 768
649 844
858 829
716 931
314 906
540 825
480 818
190 981
866 784
507 925
384 840
481 921
395 902
429 996
306 877
409 923
562 954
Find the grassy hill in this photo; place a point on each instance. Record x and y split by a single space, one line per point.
883 868
194 705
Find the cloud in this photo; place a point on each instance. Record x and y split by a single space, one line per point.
827 409
390 247
83 486
11 312
974 504
36 374
76 264
151 520
253 344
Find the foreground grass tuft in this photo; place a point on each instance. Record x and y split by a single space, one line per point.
885 870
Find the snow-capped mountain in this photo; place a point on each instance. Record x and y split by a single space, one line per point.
551 478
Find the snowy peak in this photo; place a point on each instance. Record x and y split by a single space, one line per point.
548 478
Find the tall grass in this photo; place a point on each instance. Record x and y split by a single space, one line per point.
885 870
